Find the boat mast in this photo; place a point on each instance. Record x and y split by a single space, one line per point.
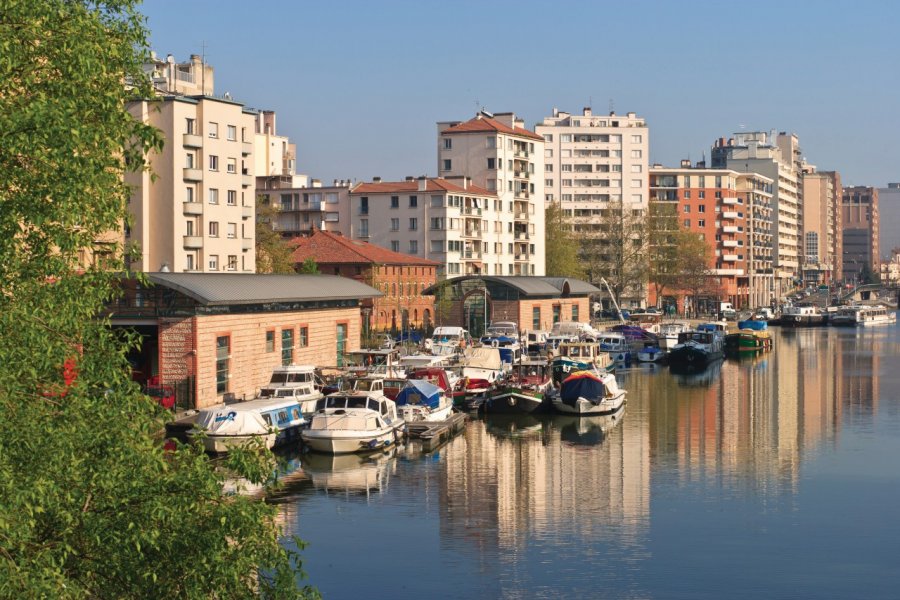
613 298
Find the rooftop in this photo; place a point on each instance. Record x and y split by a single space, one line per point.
432 184
482 124
330 248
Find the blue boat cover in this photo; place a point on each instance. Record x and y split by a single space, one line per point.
419 392
582 384
753 324
708 327
502 340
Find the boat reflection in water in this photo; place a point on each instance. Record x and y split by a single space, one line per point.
350 473
584 431
701 377
515 426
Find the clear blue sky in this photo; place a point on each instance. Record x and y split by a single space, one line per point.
359 86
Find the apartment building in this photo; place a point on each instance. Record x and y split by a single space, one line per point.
822 234
860 220
778 158
732 212
592 160
196 214
274 156
889 221
171 78
467 229
314 206
503 159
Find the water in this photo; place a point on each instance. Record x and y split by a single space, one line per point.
773 477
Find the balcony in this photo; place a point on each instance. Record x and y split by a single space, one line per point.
247 212
733 272
730 229
729 200
521 193
193 242
730 243
521 257
247 244
521 215
522 235
192 208
729 257
246 180
471 254
471 210
190 140
193 175
522 174
246 148
729 215
473 232
521 153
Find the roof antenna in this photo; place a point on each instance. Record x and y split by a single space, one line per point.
612 107
203 67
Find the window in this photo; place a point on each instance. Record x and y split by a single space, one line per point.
548 137
232 165
364 205
687 193
437 201
189 125
448 143
413 247
213 262
548 168
635 183
536 317
556 310
331 197
687 208
287 346
213 162
231 133
213 130
701 208
189 265
565 168
701 223
636 168
413 201
232 197
232 230
223 357
491 163
363 228
687 222
270 340
437 223
232 262
395 245
413 223
303 341
189 195
189 228
574 312
395 224
565 138
447 164
636 154
189 160
395 201
437 246
213 229
635 139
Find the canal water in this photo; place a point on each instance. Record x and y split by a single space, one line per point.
773 477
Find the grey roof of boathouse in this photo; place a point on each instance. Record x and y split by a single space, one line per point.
553 287
211 289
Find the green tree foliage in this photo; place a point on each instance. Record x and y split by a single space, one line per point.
662 250
90 504
693 273
273 253
613 247
561 245
309 267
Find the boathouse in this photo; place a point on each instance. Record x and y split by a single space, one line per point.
210 336
535 303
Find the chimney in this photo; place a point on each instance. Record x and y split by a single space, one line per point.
335 182
587 111
466 181
423 183
685 163
376 180
410 178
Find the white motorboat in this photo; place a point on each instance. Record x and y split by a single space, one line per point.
356 421
294 381
863 315
589 393
668 334
448 341
223 426
617 346
420 400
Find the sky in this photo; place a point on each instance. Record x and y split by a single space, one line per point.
359 86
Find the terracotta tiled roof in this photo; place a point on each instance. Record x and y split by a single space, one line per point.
482 124
434 184
330 248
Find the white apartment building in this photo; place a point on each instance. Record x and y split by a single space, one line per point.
501 157
274 156
778 159
592 160
300 209
464 227
171 78
197 212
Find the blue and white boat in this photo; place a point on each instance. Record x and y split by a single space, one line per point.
420 400
274 420
617 346
589 393
504 336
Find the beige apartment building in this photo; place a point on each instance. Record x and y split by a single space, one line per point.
302 209
861 225
592 160
778 158
196 214
501 158
170 78
821 229
274 156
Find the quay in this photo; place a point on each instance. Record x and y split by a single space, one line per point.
435 434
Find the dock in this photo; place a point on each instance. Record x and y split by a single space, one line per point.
435 434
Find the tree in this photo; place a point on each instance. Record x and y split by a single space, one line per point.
309 267
560 243
273 253
693 274
91 506
613 247
443 302
662 250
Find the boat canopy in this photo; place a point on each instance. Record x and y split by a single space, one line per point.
255 417
420 392
753 324
584 384
483 358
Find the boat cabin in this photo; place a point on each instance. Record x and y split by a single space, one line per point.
530 372
289 377
700 337
580 351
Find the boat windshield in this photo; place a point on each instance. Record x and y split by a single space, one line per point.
284 393
279 378
357 402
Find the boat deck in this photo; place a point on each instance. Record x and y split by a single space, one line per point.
435 434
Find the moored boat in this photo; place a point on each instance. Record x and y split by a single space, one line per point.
698 348
589 393
617 346
801 316
355 421
651 354
747 341
863 315
275 421
420 400
523 391
294 381
668 334
578 356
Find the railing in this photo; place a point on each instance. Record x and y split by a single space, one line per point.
471 210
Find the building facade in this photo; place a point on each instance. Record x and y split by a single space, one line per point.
196 212
302 209
821 241
860 221
504 159
732 211
889 221
400 278
274 156
776 157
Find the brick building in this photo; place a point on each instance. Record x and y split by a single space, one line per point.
210 334
400 278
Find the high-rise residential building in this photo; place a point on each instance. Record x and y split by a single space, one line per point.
464 227
889 221
275 157
501 158
302 209
732 211
170 78
821 241
592 160
196 212
860 221
778 158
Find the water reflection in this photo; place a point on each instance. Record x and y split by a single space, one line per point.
350 473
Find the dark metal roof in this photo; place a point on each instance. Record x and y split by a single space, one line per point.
212 289
531 286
